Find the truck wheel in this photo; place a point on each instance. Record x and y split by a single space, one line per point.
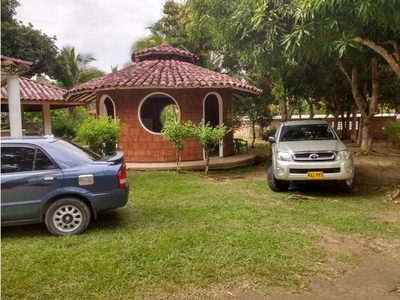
67 216
275 184
348 184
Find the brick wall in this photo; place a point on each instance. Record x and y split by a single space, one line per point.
140 145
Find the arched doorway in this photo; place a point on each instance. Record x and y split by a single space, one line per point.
213 115
107 107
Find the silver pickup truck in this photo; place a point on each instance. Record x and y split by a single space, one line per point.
309 150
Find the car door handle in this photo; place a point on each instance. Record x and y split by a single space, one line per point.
49 178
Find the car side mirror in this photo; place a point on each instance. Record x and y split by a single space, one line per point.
271 139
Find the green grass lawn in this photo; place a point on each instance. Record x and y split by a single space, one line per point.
185 236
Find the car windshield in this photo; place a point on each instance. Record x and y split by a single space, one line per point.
307 132
77 151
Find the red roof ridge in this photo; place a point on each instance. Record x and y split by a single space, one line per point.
165 51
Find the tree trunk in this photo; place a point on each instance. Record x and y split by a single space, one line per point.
367 111
290 113
311 108
360 132
207 161
354 124
366 142
283 110
282 103
253 127
336 116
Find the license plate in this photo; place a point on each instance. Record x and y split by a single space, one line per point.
315 175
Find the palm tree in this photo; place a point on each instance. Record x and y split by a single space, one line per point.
155 38
114 69
76 69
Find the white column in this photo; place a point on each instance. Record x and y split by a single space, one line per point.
46 115
14 106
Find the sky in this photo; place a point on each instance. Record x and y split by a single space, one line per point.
105 28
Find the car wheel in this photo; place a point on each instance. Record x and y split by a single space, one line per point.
275 184
348 185
67 216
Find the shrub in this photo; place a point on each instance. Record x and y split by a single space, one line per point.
209 137
63 127
65 122
393 131
177 132
100 134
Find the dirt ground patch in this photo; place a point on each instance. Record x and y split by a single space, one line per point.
381 168
376 275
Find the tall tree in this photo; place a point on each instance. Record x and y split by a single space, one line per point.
336 25
175 24
249 31
76 69
24 42
357 34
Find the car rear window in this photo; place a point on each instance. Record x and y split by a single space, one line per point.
75 150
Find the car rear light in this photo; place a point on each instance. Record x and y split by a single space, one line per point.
122 177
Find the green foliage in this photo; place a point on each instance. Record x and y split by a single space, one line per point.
75 68
257 109
100 134
32 45
8 11
393 131
65 122
26 43
177 132
155 38
63 127
209 138
33 123
169 112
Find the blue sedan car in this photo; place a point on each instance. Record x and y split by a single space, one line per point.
52 180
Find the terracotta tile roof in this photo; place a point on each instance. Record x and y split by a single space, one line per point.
34 93
161 67
32 90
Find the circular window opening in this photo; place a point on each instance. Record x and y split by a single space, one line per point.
155 110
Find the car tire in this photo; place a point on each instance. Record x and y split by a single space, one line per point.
348 184
67 216
275 184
